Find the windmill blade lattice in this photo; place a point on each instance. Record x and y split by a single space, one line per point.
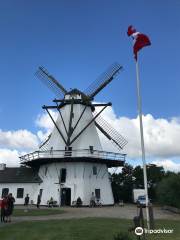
51 82
103 80
110 132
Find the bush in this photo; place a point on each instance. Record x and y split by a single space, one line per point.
168 191
123 236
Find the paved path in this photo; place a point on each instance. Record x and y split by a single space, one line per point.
126 212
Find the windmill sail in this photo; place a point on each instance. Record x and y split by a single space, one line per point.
103 80
51 82
110 133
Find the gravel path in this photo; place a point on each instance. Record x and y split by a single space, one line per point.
126 212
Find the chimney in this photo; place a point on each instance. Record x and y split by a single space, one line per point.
2 166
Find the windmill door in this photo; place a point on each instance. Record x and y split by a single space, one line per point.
65 196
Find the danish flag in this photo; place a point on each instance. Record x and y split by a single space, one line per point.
140 40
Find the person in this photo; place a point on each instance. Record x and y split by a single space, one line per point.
26 200
79 202
10 207
3 206
38 200
50 203
93 200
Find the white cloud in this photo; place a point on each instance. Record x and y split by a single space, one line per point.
10 157
14 143
161 136
20 139
168 165
43 120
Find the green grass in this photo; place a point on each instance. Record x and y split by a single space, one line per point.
80 229
36 212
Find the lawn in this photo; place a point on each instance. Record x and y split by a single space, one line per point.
36 212
80 229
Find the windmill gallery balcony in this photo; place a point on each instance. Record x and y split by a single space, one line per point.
86 155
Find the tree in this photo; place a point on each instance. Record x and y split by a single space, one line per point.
130 178
122 184
154 175
138 177
168 190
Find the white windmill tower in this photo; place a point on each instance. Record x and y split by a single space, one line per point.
71 161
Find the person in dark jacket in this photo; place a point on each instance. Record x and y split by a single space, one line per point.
26 200
10 207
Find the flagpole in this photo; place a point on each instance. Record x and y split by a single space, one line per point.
142 141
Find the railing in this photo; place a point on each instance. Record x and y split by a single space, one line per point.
72 154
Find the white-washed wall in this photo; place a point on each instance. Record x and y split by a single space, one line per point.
29 188
79 178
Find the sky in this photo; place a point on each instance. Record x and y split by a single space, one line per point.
77 41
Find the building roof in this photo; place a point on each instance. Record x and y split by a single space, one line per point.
75 91
19 175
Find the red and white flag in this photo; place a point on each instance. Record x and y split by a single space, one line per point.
140 40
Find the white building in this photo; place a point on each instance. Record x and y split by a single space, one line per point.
19 181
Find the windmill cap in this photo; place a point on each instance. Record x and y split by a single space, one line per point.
76 91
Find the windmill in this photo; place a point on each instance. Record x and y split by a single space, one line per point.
73 150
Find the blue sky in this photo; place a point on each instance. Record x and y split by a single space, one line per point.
76 41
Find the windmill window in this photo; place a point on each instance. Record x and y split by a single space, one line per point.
91 148
5 192
68 151
94 170
68 148
20 192
98 193
63 175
